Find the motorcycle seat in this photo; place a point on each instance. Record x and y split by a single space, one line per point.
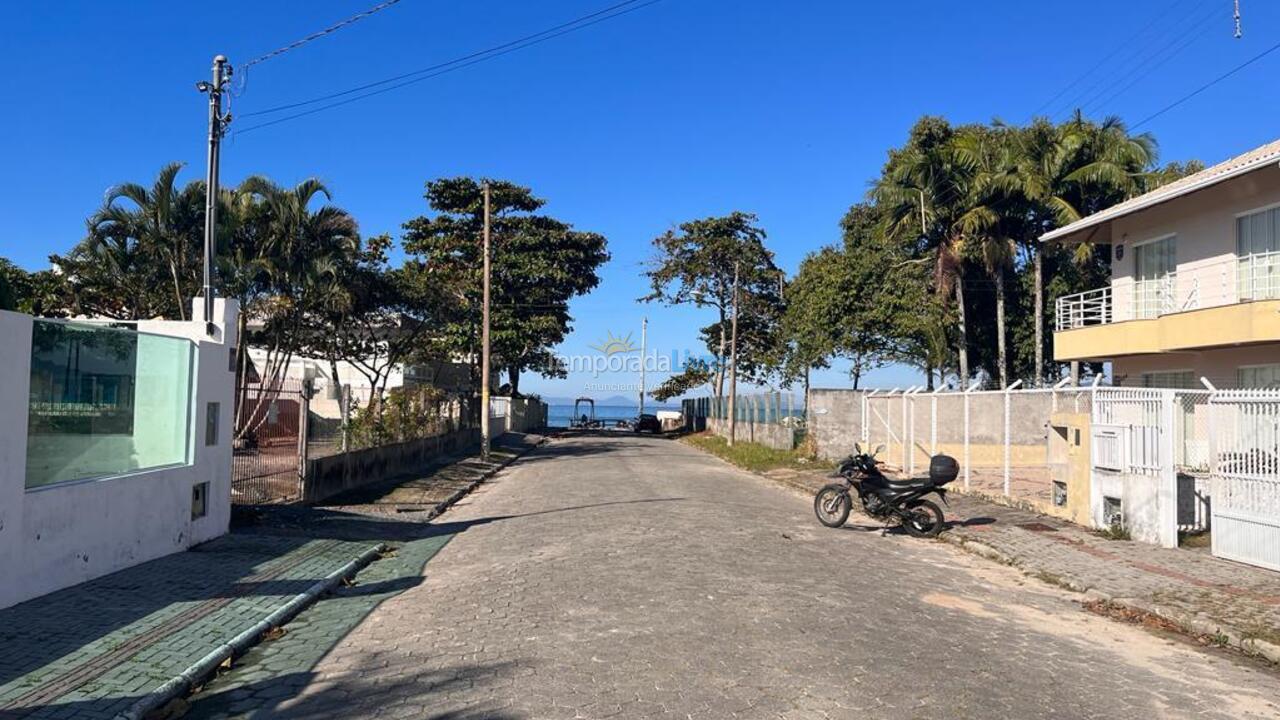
908 484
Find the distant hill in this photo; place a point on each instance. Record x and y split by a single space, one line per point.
615 400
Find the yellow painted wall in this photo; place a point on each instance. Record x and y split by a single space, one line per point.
1240 324
1075 471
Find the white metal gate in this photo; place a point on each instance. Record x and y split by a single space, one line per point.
1245 428
1132 463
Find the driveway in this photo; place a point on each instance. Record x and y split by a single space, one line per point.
635 577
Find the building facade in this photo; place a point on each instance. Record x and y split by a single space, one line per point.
1195 281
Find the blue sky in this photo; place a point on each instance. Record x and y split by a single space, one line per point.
679 110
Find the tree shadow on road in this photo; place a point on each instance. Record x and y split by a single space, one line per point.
358 693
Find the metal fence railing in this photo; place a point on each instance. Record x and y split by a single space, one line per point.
765 408
269 440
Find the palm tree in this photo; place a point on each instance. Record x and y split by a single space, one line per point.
282 260
139 241
989 216
925 191
1064 172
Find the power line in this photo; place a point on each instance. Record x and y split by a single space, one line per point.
1139 62
1122 46
439 66
468 60
316 35
1207 85
1186 40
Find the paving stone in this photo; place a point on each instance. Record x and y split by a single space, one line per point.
93 649
637 577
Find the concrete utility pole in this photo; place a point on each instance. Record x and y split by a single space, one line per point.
217 125
733 363
484 340
644 337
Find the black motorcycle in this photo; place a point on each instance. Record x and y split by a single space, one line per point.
886 498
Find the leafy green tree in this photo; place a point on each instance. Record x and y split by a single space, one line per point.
37 293
925 189
695 374
990 219
1065 172
141 257
839 303
379 317
281 258
539 263
12 278
695 264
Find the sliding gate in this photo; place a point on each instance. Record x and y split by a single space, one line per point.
1245 431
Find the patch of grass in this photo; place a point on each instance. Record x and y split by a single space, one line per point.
1195 540
1115 532
753 457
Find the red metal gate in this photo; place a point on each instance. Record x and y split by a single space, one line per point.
267 460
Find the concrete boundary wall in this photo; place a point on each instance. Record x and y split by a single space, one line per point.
335 474
519 415
771 435
59 535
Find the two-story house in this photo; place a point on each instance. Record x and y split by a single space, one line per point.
1195 281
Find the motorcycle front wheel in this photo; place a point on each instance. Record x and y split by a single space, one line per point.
924 519
832 505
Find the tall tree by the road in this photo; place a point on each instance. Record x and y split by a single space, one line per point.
141 256
539 263
1065 172
281 256
694 265
839 304
989 218
924 190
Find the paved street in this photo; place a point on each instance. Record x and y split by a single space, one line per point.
635 577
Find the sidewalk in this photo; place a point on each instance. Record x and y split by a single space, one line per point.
1217 600
95 650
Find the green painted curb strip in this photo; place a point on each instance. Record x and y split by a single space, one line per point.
180 684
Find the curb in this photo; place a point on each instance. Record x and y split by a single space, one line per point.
180 684
1193 625
444 505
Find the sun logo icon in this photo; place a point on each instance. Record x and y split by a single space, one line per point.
614 345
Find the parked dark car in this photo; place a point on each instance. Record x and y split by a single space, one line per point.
649 423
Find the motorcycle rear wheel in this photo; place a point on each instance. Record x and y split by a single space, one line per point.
832 505
925 519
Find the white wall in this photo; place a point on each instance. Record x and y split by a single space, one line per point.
60 535
1205 225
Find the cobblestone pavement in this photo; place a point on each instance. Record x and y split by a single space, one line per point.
1185 584
90 651
636 577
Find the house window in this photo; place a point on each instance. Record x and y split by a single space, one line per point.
1175 380
1259 376
1155 266
1258 253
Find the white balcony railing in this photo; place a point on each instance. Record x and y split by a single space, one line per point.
1193 287
1092 307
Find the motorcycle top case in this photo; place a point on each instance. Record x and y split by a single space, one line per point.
943 469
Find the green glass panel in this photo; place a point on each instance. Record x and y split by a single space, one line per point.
105 401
